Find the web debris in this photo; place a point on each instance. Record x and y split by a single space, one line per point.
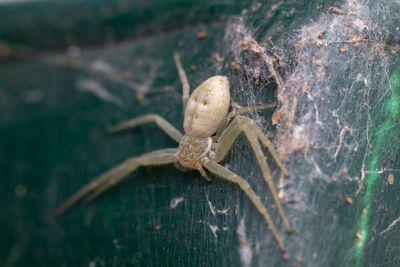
390 226
245 249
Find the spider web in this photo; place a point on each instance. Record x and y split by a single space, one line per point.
334 71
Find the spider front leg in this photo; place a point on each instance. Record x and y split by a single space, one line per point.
252 132
170 130
116 175
184 80
225 173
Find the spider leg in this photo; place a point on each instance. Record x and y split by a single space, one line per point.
229 135
184 80
252 132
238 111
264 139
162 123
116 175
202 172
226 174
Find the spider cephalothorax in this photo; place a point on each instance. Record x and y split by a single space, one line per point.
191 149
209 134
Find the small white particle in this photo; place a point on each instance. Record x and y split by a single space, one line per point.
214 230
102 66
223 212
211 206
175 202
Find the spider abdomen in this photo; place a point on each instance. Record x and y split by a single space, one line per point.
207 107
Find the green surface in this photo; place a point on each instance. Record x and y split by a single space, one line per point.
53 24
383 136
53 139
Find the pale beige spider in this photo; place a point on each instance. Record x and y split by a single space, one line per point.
208 137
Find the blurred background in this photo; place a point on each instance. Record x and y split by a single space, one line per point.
69 69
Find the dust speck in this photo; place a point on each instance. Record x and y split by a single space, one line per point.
175 202
391 179
214 230
20 191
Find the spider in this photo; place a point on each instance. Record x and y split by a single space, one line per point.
208 138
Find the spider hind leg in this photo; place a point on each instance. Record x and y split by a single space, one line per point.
226 174
116 175
253 133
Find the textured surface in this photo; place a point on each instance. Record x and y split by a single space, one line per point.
74 81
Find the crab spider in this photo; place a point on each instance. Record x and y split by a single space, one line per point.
208 138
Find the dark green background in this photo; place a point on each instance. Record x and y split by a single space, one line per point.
53 141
